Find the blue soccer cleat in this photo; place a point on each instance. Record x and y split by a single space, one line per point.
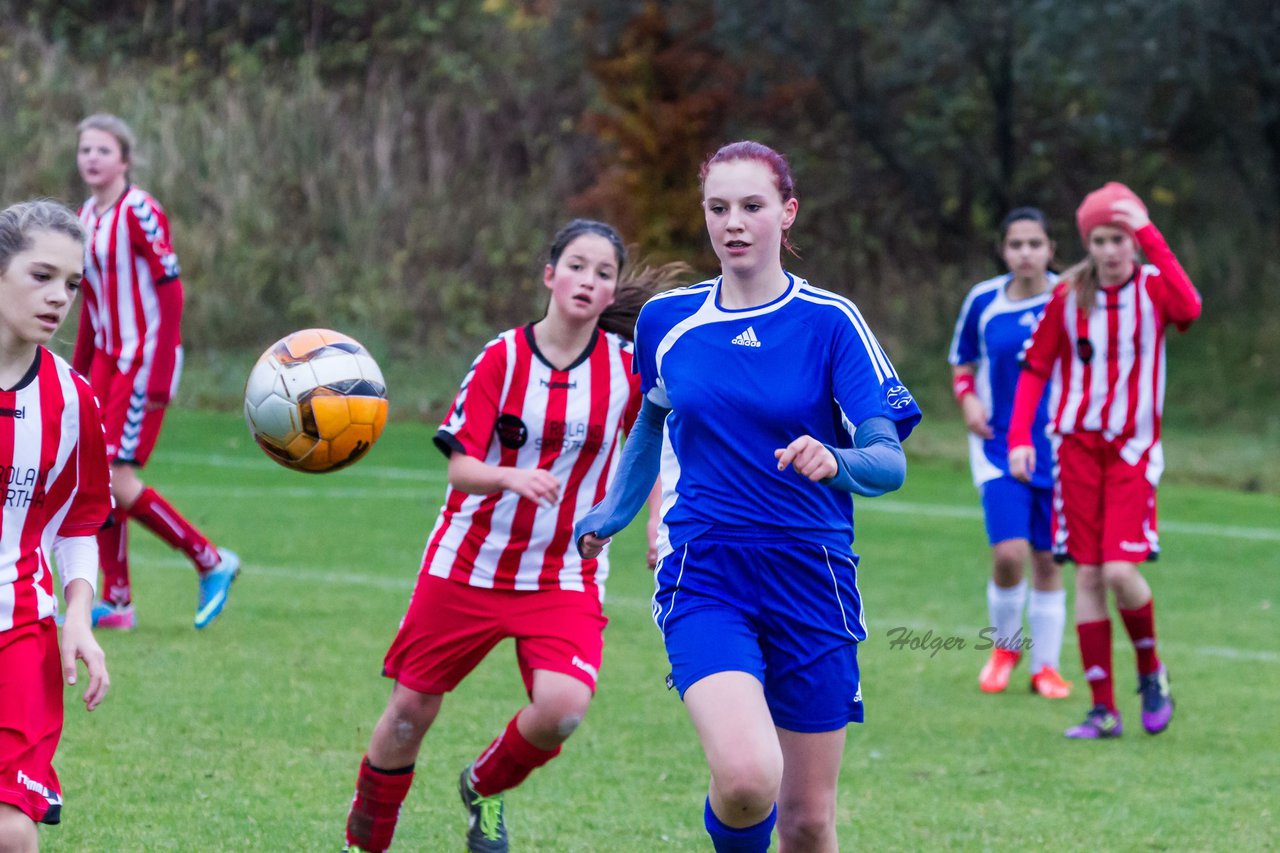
215 585
113 618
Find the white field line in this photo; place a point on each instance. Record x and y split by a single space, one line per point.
435 479
220 460
404 585
1191 528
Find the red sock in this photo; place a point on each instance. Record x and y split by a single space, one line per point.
507 761
113 554
159 516
1141 625
376 806
1095 655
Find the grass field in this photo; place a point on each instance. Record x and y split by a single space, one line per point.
247 736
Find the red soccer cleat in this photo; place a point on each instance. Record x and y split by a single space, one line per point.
1050 684
994 677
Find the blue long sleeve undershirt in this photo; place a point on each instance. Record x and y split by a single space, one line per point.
637 472
874 466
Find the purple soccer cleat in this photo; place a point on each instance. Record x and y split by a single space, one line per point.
1099 723
1157 700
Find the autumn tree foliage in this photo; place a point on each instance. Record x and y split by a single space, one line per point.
663 93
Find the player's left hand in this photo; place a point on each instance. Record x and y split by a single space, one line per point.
590 546
1022 462
810 458
78 643
1130 213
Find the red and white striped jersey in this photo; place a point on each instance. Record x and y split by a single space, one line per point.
515 410
54 478
129 254
1107 366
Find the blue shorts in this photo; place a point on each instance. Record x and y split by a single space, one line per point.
1016 510
786 611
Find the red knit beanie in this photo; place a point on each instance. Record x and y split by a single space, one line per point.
1096 209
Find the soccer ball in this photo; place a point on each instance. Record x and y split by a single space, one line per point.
315 401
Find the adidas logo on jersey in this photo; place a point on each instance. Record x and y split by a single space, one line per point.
747 338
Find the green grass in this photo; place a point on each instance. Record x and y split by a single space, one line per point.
247 736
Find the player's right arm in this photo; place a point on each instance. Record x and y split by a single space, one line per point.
966 350
1039 356
975 414
471 475
468 431
632 486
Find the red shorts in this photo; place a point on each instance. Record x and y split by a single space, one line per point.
30 720
1104 508
451 626
131 428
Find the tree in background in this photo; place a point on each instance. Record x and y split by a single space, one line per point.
391 166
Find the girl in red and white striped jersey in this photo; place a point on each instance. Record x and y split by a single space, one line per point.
1100 345
532 441
56 496
130 346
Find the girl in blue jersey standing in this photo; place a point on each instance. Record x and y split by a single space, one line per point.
768 402
995 322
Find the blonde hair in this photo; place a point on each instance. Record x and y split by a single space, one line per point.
1085 282
115 126
19 221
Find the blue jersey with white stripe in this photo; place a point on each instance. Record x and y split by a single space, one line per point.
990 334
743 383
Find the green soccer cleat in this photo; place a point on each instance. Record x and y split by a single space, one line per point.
486 830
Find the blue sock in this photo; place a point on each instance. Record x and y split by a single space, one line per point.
748 839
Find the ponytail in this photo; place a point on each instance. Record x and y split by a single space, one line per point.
635 288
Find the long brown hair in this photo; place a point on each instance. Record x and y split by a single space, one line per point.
635 285
635 288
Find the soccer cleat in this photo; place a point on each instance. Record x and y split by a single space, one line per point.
1050 684
215 584
112 617
1099 723
1157 701
994 677
486 830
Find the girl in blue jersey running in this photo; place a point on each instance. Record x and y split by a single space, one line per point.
768 402
995 322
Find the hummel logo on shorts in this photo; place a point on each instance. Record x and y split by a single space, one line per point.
747 338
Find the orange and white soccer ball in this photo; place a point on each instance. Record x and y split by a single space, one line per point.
315 401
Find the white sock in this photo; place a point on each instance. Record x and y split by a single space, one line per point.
1047 614
1004 606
